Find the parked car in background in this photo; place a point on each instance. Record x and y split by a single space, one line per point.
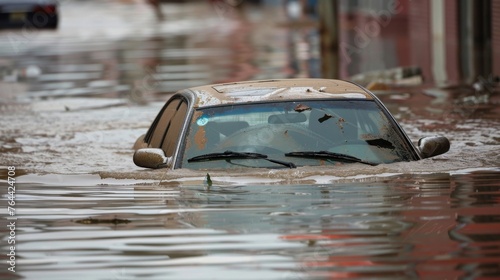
277 124
33 14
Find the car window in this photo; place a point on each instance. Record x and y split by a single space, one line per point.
163 123
358 128
167 126
174 129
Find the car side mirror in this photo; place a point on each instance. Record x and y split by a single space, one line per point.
433 146
151 158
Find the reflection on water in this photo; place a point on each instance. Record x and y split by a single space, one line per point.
143 60
406 226
73 103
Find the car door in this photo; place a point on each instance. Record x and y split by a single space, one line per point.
167 127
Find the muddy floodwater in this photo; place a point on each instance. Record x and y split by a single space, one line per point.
73 102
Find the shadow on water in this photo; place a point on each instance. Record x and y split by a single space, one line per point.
74 102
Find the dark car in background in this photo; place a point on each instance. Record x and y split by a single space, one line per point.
34 14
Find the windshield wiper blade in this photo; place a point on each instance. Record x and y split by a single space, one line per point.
328 155
228 155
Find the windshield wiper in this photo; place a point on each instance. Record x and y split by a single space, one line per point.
228 155
328 155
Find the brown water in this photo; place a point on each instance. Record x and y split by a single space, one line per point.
85 211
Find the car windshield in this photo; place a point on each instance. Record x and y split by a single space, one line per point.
305 133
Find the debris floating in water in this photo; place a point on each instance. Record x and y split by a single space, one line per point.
91 221
207 182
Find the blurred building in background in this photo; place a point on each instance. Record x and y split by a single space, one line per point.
451 41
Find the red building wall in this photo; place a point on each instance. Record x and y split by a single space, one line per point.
495 30
452 43
419 25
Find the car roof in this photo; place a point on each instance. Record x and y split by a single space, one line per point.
279 89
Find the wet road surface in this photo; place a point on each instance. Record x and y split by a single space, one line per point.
73 102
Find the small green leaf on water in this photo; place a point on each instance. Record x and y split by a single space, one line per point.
208 180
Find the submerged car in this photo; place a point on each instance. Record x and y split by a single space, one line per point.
30 14
284 123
